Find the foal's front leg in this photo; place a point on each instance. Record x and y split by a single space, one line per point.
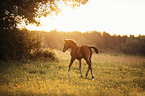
71 62
80 67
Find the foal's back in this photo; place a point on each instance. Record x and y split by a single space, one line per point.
86 51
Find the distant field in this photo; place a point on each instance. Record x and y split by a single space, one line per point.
114 75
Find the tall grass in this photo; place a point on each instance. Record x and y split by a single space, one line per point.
114 75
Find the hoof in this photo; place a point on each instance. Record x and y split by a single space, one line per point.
81 76
93 78
86 75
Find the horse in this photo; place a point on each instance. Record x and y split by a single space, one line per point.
79 52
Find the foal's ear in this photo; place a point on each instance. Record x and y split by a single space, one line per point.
65 40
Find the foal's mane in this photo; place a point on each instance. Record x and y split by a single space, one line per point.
72 42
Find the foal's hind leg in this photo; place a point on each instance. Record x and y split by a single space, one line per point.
87 71
89 67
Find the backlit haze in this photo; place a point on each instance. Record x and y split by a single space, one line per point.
120 17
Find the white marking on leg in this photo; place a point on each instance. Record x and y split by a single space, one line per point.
68 72
81 72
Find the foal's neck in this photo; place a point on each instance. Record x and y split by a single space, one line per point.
74 47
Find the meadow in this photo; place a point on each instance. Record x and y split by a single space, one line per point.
115 74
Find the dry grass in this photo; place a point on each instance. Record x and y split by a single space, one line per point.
114 75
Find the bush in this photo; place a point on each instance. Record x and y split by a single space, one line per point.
18 44
44 54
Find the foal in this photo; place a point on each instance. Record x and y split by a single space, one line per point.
79 52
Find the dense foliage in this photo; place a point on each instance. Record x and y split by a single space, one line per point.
29 9
17 45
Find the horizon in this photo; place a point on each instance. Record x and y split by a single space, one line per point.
100 32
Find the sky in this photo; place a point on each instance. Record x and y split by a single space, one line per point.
120 17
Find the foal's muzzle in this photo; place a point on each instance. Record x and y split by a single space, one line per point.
63 51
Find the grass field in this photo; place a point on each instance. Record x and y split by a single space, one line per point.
114 75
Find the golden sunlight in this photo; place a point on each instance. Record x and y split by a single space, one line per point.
115 17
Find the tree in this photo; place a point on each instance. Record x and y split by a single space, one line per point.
13 11
107 40
32 8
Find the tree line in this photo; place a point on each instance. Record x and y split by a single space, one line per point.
23 44
103 40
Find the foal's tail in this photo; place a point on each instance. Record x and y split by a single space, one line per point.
95 48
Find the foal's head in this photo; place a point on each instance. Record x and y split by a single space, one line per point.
68 44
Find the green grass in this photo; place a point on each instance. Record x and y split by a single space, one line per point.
114 75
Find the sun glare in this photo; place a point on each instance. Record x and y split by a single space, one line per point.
69 20
114 17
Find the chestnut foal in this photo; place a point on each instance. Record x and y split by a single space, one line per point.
79 52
